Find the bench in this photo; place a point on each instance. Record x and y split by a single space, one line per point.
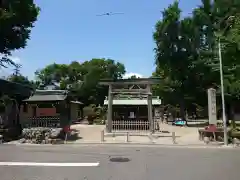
214 133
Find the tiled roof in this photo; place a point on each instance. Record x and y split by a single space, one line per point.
76 102
48 95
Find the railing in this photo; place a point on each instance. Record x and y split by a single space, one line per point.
42 122
133 125
122 97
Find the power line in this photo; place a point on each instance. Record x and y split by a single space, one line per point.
110 14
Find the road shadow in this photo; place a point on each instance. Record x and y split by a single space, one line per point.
166 136
198 125
73 135
164 131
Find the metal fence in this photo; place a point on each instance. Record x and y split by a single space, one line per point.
42 122
133 125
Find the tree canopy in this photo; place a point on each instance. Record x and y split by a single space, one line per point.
186 55
82 78
16 20
187 52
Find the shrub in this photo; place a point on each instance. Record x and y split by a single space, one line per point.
95 115
90 113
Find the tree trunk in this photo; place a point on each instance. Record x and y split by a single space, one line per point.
232 110
182 109
228 114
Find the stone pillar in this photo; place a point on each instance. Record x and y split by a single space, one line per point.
212 113
110 113
150 115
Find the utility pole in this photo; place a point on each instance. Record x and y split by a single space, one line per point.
222 94
230 18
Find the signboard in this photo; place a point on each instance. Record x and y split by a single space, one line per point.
157 113
46 112
132 115
212 110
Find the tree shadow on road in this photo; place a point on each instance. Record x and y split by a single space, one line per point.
73 135
198 125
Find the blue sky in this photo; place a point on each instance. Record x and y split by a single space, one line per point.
70 31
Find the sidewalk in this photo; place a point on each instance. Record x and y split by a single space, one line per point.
93 134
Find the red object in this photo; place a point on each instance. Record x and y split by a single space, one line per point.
66 129
46 112
211 128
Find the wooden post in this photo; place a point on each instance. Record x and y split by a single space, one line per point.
102 136
110 102
70 118
174 138
150 116
1 139
66 136
127 140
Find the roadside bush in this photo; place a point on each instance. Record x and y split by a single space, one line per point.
90 113
95 115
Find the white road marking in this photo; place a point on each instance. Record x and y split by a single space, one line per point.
49 164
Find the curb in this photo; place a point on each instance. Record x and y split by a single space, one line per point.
194 146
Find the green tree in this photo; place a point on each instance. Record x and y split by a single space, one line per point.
90 73
230 47
82 79
53 73
187 52
16 20
21 80
175 53
17 77
133 77
219 20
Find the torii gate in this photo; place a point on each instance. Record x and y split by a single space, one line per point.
113 90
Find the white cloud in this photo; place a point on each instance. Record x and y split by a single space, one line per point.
128 75
13 58
5 72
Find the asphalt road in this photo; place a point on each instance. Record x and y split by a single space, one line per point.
94 163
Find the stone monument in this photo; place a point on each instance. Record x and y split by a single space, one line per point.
212 110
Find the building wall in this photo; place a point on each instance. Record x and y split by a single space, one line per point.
26 113
140 112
